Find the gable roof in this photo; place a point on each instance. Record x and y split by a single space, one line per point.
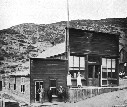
124 49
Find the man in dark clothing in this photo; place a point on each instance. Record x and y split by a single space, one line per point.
61 93
49 93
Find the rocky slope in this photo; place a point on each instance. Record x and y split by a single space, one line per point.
20 42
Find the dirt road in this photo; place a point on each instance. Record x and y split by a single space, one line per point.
104 100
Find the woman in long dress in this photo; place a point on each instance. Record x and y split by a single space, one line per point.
69 80
79 83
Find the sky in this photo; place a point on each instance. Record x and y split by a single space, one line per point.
14 12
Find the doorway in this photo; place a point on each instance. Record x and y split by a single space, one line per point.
37 86
53 86
94 75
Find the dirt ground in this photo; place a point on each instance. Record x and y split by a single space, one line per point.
104 100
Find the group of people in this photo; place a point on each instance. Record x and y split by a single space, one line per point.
69 83
60 91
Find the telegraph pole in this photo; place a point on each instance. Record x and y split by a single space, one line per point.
67 36
67 33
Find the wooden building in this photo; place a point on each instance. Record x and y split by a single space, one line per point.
17 83
48 73
94 54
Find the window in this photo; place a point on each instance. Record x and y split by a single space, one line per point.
76 61
9 85
22 88
22 84
82 62
14 86
15 83
108 68
52 82
77 64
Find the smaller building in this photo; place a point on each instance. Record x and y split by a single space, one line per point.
50 73
18 83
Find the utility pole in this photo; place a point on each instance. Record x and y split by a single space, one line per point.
67 32
67 36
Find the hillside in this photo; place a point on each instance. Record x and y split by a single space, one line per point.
20 42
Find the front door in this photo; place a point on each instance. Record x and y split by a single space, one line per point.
94 75
37 86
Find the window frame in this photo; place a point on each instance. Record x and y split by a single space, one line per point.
23 85
109 68
78 67
73 67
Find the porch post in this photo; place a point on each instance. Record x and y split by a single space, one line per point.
117 70
86 66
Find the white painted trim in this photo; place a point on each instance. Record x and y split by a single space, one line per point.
35 88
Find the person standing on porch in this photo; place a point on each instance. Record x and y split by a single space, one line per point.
49 94
41 94
61 93
69 80
79 84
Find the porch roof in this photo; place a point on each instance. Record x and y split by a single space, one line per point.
55 50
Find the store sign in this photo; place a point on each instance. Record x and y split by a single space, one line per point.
92 62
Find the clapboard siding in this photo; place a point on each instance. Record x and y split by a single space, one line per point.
46 69
89 42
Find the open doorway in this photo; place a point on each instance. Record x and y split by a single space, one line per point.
37 86
94 75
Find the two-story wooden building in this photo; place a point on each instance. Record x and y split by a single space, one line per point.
94 54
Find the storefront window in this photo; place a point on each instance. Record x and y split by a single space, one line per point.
82 62
76 61
108 68
77 64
